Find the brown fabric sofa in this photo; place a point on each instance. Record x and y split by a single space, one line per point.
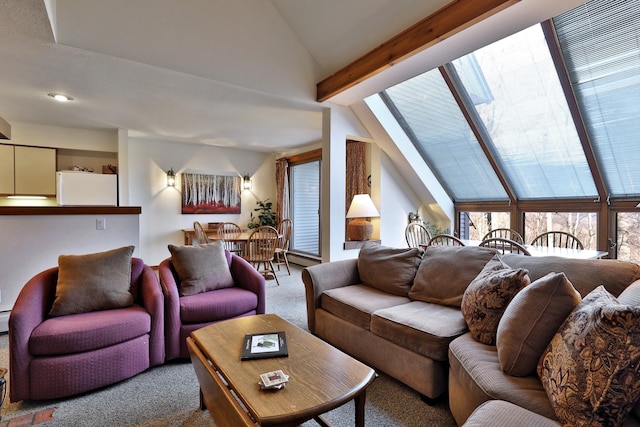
414 330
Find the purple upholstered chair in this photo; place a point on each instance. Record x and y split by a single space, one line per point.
75 353
185 314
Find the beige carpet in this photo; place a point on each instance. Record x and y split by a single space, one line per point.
168 395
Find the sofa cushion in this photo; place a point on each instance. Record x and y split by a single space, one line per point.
220 304
487 297
421 327
476 367
446 271
389 269
91 282
77 333
631 295
590 369
356 303
498 413
201 268
584 274
531 320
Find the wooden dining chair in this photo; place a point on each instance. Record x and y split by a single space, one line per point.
504 246
505 233
445 240
416 234
261 248
284 230
201 235
558 239
227 231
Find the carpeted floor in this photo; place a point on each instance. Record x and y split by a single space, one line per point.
168 395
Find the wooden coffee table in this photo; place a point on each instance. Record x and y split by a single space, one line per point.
321 377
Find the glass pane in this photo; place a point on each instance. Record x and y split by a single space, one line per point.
628 241
426 109
599 42
583 225
475 225
516 92
305 208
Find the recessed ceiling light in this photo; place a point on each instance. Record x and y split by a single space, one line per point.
60 97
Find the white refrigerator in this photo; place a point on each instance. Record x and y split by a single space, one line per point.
77 188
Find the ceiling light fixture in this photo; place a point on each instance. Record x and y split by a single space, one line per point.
60 97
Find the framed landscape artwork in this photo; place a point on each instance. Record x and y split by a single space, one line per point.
210 194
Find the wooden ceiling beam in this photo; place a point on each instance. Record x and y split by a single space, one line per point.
453 18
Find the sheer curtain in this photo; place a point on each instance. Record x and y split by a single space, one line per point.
282 188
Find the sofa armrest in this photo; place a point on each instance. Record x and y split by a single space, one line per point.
247 277
171 309
322 277
30 310
153 302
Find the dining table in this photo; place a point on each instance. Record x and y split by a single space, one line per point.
553 251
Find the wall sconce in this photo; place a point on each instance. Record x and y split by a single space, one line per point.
361 207
171 178
246 183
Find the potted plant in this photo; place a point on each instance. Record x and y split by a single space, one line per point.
265 216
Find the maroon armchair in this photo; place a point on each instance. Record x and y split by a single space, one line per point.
55 357
185 314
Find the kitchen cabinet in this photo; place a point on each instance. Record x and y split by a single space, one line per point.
33 170
6 169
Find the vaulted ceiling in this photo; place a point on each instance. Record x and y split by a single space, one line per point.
226 73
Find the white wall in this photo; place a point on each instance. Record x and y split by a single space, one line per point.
161 220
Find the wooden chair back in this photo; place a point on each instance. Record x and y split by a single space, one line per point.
284 230
505 233
261 248
416 234
214 393
228 231
558 239
445 240
505 245
200 233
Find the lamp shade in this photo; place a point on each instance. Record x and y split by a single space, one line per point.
362 207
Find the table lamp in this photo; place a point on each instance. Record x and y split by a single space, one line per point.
361 207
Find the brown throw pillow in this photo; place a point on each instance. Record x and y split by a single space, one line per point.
487 297
93 282
590 370
201 268
531 320
389 269
446 271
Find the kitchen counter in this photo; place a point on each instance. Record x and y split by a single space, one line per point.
70 210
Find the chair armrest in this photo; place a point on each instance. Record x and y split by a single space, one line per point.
30 310
153 302
171 309
247 277
322 277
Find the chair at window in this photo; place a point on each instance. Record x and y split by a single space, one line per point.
261 249
504 245
505 233
200 233
416 234
558 239
445 240
227 231
284 230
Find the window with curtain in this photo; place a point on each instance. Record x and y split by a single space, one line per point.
600 44
305 207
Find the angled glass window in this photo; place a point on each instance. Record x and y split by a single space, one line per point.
517 96
429 114
600 46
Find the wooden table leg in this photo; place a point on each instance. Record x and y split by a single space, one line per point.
360 401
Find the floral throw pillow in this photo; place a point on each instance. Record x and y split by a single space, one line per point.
591 368
487 297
